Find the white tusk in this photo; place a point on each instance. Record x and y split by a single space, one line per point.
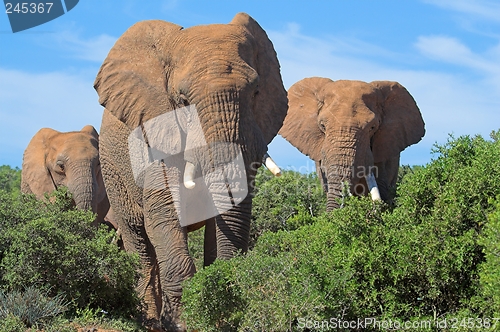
189 175
271 165
373 188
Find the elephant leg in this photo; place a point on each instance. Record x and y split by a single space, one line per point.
210 242
130 222
169 239
124 197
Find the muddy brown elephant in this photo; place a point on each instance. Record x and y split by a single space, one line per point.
188 117
71 159
354 131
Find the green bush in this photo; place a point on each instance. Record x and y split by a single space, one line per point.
279 203
286 202
54 246
425 257
489 296
12 323
214 300
10 180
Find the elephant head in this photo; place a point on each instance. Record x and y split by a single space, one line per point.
71 159
353 130
188 115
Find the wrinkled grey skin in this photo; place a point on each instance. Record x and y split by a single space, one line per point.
231 74
53 159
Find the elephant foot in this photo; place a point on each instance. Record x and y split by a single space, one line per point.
173 323
175 327
153 325
165 325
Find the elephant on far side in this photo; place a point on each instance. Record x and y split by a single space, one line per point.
71 159
354 131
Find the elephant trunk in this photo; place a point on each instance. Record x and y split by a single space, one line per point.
234 149
339 183
84 188
339 174
233 229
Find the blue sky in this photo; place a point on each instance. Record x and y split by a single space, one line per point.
445 52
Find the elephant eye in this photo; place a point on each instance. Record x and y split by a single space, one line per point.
183 100
321 126
60 166
256 91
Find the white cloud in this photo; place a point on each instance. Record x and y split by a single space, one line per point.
92 49
451 50
29 102
482 9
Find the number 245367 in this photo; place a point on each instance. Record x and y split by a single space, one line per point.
28 7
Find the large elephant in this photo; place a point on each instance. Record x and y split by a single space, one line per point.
71 159
354 131
188 117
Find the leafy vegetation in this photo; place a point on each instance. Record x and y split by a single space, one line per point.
53 247
431 255
286 202
487 301
280 203
30 306
10 180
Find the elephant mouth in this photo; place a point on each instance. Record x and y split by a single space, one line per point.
339 182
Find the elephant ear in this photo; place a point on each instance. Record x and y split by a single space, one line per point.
35 177
271 101
132 81
301 123
91 131
402 124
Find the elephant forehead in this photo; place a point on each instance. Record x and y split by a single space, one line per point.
221 38
75 143
215 53
348 90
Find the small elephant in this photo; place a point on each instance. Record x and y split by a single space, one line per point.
188 117
71 159
354 131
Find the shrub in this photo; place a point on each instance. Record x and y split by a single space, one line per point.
54 246
12 323
286 202
279 203
488 299
215 299
421 258
30 306
10 180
